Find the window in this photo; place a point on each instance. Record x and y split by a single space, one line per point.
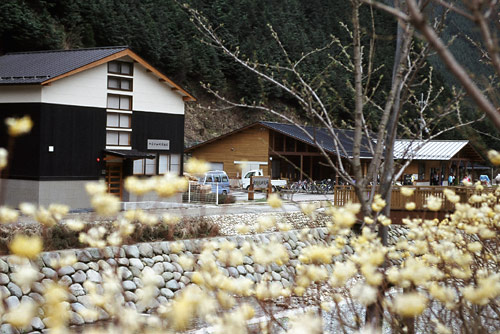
120 102
120 67
145 167
169 163
119 83
117 120
117 138
175 163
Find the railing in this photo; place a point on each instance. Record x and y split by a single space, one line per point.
345 194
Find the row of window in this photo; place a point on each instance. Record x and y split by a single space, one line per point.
119 114
160 165
119 121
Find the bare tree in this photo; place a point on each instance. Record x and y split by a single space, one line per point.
378 137
485 15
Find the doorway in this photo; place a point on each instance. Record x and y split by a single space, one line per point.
114 178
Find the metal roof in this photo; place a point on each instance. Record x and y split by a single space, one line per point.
323 137
39 66
427 150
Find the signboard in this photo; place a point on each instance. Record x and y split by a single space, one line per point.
158 144
260 182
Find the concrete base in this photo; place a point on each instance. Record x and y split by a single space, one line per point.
44 193
72 193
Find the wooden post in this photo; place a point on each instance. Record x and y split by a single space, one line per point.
250 190
311 167
301 166
269 187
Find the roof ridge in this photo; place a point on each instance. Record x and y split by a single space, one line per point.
69 50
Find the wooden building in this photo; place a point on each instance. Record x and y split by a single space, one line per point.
101 113
280 150
435 160
289 152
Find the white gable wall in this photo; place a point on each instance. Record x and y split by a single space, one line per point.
154 96
21 93
87 88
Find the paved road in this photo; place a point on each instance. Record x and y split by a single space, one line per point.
243 205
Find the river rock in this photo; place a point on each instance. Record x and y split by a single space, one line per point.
136 263
131 251
145 250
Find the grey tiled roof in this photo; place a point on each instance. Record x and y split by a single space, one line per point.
37 67
323 138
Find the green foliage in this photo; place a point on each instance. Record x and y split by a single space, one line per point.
161 32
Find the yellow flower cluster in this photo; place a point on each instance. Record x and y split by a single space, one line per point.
26 246
18 126
3 158
197 167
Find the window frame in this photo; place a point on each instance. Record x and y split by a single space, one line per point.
119 133
120 80
129 97
120 71
144 164
119 114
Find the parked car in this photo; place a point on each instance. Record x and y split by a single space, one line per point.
276 184
217 179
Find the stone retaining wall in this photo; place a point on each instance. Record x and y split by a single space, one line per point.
131 261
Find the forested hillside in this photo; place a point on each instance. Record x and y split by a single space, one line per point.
161 32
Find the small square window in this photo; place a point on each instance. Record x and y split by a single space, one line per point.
120 67
111 138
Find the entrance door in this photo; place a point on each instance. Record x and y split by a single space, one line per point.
114 176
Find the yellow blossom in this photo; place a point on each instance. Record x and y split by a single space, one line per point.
306 323
444 294
24 276
21 316
451 196
284 227
274 201
475 247
74 224
170 219
26 246
308 208
378 203
19 126
409 304
264 223
58 211
137 186
318 254
410 206
105 204
94 188
186 262
197 166
363 293
494 157
176 247
28 209
8 215
242 228
434 203
341 273
3 158
405 191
